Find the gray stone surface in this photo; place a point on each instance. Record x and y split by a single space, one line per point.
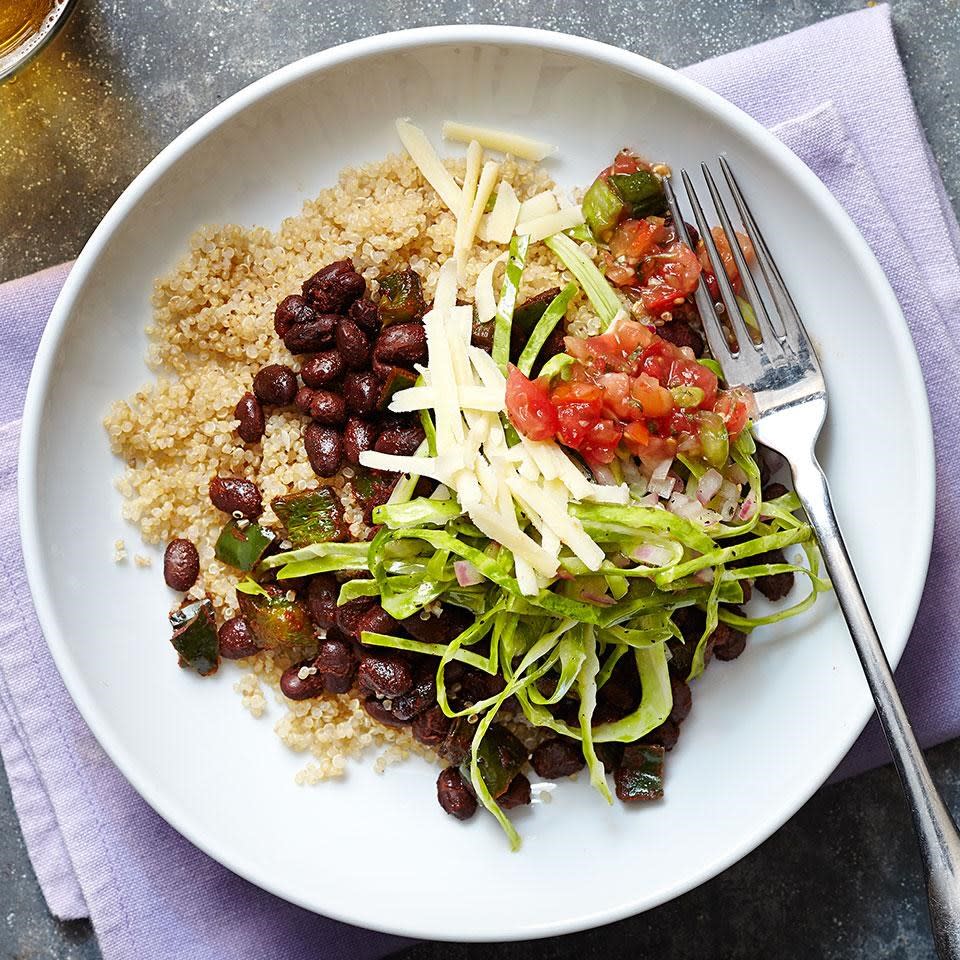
842 878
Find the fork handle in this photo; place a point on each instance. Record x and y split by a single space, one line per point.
936 831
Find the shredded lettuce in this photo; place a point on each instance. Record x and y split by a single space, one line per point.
503 321
605 302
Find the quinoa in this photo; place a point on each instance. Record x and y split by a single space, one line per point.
212 330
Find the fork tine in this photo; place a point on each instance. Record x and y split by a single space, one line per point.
794 331
712 327
737 324
767 334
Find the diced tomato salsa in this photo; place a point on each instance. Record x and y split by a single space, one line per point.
628 390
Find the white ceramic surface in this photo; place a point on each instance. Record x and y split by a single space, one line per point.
765 731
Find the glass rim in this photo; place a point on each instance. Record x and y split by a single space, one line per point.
19 61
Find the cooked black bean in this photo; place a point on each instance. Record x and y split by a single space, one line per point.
321 599
358 435
291 310
421 696
400 439
322 368
681 334
777 585
385 674
691 622
236 640
303 399
455 795
295 687
181 564
666 735
324 447
376 620
451 622
517 794
401 345
349 615
431 726
773 490
353 344
364 314
334 287
250 414
682 699
728 643
456 744
313 335
477 685
275 383
328 408
557 757
338 663
361 392
236 495
380 713
481 335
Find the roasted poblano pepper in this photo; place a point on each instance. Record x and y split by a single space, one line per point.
640 773
372 488
313 516
276 620
401 298
642 193
195 636
500 757
396 379
243 546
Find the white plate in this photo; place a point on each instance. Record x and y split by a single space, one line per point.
377 851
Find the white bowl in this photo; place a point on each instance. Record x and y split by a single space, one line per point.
376 851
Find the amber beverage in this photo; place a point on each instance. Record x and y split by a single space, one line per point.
25 26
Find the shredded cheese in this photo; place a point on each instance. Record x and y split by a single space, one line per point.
484 295
470 398
512 143
497 226
543 227
488 178
425 157
537 206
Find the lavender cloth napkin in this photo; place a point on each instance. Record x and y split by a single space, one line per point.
832 92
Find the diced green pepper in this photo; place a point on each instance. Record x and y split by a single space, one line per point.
641 192
275 620
602 209
243 546
195 637
401 298
687 396
714 438
313 516
640 773
396 379
581 233
500 757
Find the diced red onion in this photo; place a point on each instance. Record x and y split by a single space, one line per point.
709 485
735 474
727 509
666 487
631 472
746 509
661 470
684 506
704 576
649 500
466 573
603 474
653 554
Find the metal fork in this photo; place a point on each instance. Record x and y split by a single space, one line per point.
781 368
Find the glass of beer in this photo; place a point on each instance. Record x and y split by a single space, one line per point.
26 26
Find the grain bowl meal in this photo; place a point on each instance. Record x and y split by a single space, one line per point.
442 462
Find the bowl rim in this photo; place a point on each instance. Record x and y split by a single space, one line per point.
399 41
15 64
